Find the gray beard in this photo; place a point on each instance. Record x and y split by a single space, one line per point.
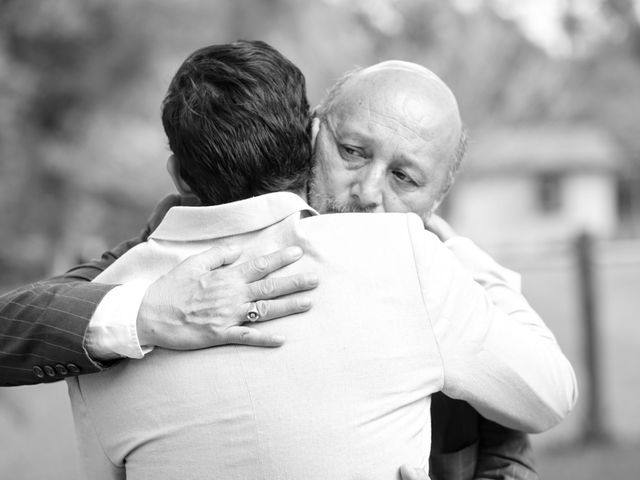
331 206
326 204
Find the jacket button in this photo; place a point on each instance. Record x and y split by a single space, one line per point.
61 369
48 369
73 368
38 371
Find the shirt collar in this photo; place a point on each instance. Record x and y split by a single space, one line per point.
204 223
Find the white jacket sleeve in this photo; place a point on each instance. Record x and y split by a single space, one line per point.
497 353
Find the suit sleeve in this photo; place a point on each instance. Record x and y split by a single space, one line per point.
43 325
506 364
502 452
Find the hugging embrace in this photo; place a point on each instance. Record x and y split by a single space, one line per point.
392 312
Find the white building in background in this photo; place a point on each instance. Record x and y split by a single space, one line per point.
531 184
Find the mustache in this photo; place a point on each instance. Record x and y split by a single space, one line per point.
332 206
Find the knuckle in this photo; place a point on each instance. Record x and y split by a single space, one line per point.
261 265
267 287
208 284
303 281
203 284
310 279
215 277
244 334
213 331
262 307
296 282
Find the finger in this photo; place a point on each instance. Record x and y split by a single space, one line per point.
253 337
262 266
253 314
214 257
278 286
282 307
412 473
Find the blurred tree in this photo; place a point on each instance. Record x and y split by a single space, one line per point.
486 59
61 60
78 121
625 23
603 86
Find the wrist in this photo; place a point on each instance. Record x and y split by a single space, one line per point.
144 322
111 332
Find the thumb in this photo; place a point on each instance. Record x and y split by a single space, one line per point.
413 473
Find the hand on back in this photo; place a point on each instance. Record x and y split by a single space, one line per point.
203 302
440 228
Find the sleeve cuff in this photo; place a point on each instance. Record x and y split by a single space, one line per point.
112 331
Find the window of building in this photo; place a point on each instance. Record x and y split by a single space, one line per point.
549 192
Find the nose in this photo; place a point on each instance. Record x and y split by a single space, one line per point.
367 189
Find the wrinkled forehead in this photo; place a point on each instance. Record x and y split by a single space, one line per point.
401 92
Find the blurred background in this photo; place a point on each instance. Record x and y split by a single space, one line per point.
549 90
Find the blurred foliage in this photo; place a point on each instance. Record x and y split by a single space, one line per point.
60 60
74 55
82 149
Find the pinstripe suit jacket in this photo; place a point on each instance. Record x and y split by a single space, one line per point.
43 325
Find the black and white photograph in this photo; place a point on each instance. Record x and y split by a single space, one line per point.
330 240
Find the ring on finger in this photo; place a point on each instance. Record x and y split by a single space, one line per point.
253 314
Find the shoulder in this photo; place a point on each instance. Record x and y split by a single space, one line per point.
392 224
382 241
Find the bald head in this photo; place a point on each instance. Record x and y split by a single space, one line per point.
411 93
417 84
415 114
407 74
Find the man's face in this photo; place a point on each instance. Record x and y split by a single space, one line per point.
385 146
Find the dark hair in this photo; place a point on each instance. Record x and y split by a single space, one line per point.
237 118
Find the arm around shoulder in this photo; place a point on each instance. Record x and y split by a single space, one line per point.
508 366
44 324
43 331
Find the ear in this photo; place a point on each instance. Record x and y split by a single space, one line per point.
173 166
315 128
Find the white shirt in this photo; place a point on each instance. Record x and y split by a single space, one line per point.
395 319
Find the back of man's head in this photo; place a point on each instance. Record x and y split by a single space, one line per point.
237 119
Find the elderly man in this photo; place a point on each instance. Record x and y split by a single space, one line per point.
396 318
388 138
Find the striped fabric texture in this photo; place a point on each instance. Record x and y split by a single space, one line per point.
43 325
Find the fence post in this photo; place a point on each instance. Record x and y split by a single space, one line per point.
594 430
